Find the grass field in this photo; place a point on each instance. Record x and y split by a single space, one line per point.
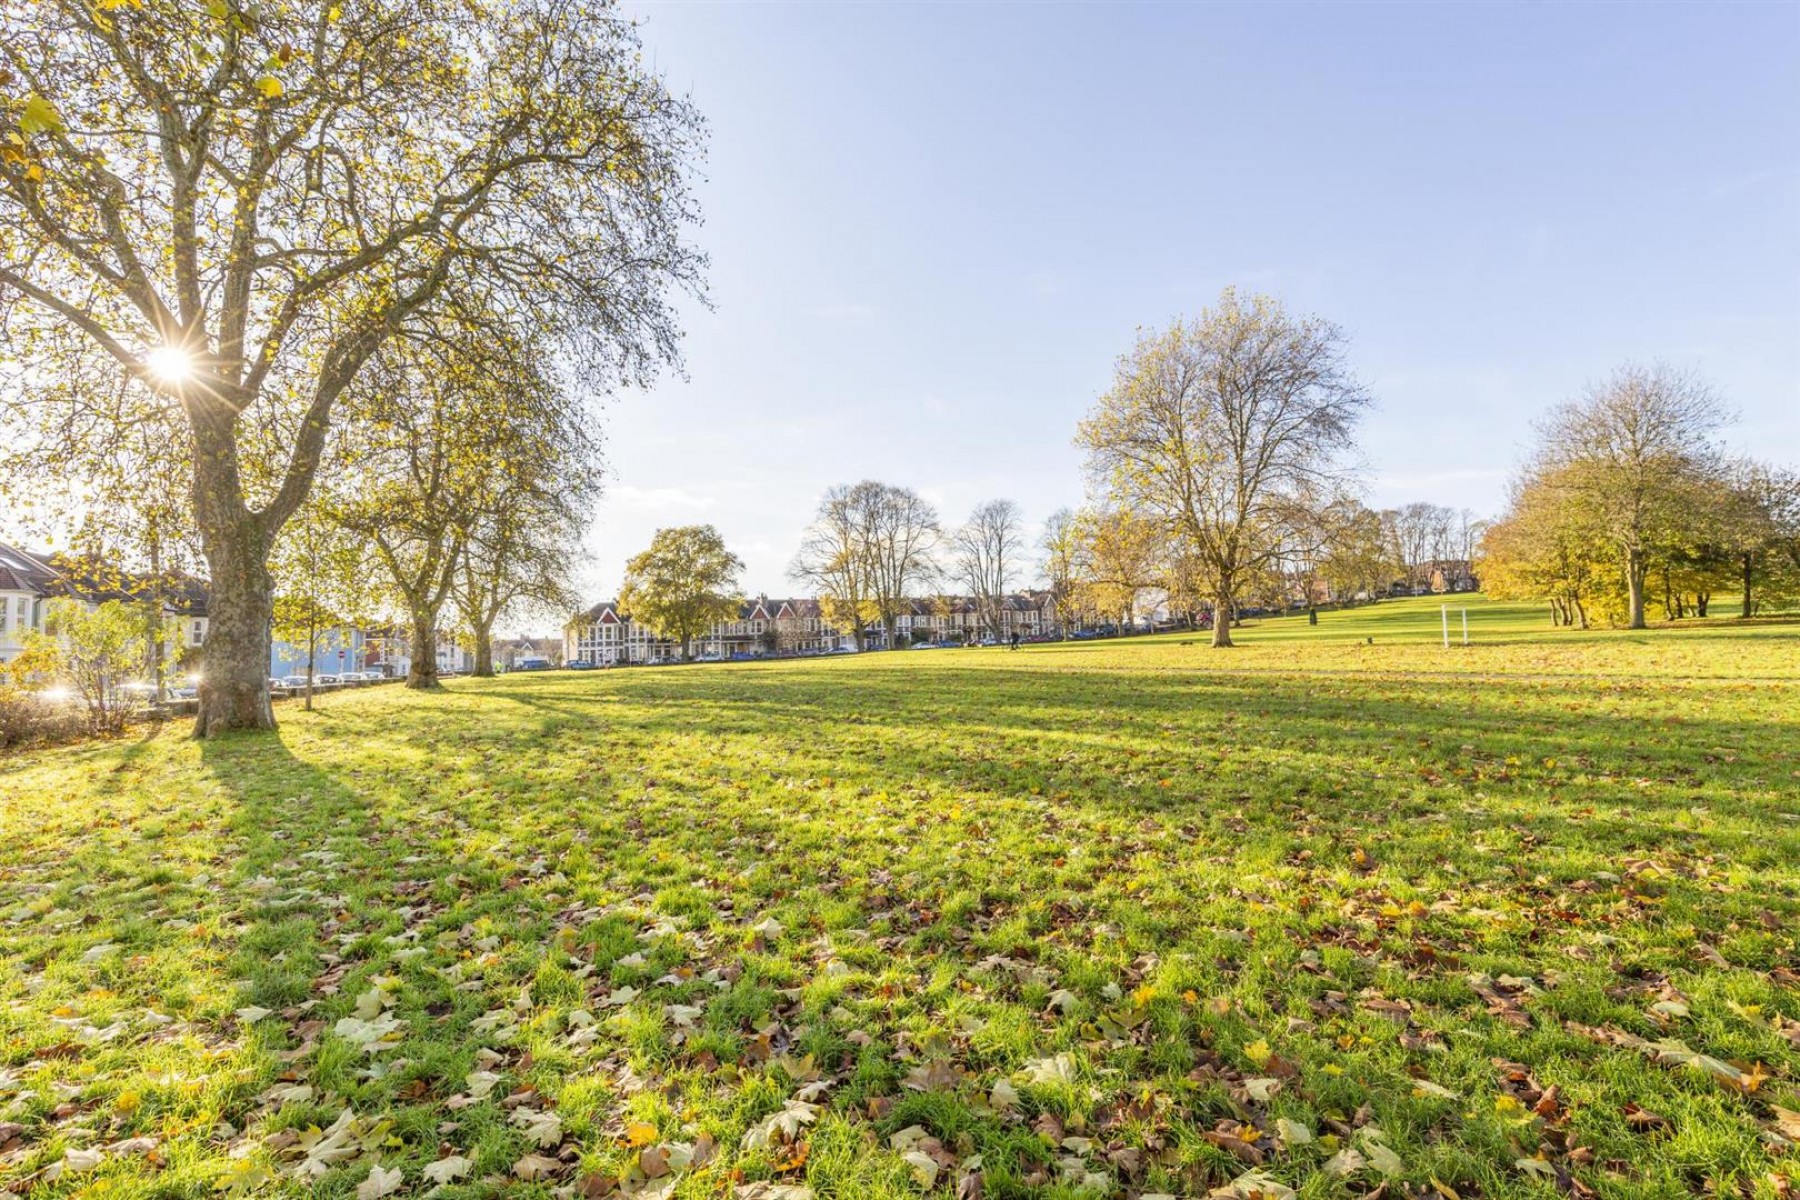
1106 919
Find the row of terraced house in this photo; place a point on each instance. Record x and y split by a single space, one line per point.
31 581
606 636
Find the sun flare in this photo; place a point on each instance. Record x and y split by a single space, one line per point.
170 364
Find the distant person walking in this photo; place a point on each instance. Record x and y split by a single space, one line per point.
1015 639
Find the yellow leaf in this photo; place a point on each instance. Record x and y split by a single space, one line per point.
639 1134
269 86
1258 1051
40 116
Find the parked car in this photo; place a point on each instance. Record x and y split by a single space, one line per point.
579 664
533 663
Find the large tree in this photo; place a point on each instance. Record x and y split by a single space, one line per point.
681 586
519 555
1123 553
869 546
457 427
1357 562
1232 430
903 534
1635 454
1064 565
1545 548
833 560
986 550
1761 534
237 204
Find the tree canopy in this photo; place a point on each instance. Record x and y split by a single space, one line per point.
685 582
870 546
1231 431
229 208
1634 455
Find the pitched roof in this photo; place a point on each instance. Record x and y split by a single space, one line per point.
597 613
93 579
21 571
13 580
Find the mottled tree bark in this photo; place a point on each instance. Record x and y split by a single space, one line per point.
1222 618
1636 569
421 671
234 681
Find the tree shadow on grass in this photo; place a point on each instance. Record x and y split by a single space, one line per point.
1560 761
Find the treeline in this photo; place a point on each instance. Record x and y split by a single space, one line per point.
1220 465
1627 505
1101 562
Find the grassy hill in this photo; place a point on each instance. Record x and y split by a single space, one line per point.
1118 918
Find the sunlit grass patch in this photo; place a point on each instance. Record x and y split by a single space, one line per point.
1087 919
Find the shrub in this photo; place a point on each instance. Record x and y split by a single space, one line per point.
28 719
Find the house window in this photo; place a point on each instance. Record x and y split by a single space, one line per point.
196 632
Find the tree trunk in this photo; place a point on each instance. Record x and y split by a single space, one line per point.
155 615
1701 600
1222 618
484 652
421 671
687 648
1635 571
234 678
1748 559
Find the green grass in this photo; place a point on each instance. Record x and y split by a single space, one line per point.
1087 919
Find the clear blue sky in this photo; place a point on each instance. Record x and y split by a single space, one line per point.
934 227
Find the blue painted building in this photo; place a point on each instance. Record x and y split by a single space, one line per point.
337 650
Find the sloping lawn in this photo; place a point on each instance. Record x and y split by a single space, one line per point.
1108 919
